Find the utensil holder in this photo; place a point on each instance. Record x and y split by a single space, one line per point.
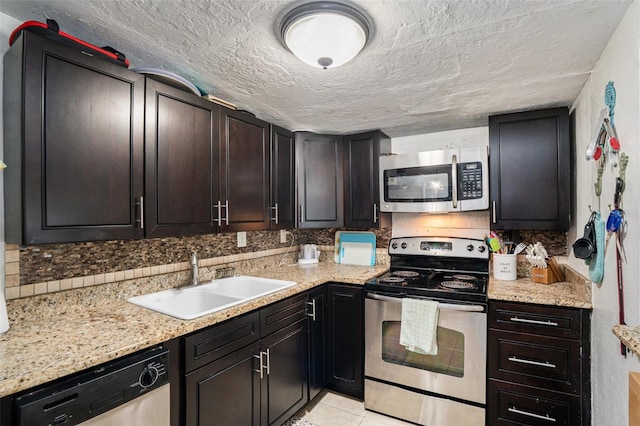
544 276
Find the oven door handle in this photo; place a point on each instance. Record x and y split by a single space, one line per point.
443 306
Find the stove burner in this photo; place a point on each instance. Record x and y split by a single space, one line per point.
464 277
392 280
458 285
405 274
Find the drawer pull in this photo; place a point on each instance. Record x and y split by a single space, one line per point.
528 321
526 361
312 304
534 415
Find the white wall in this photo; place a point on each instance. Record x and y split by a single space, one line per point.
620 63
7 24
473 224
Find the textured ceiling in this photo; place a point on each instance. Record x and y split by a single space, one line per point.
431 65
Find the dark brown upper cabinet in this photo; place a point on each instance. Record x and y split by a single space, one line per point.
283 179
182 172
245 161
320 182
73 141
530 170
361 184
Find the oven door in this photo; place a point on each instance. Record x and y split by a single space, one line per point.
458 371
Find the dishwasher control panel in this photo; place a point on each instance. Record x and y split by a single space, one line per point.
85 395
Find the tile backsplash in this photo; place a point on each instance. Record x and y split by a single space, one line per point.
32 270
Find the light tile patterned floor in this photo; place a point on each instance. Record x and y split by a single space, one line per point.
330 409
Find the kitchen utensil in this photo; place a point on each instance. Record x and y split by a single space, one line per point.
521 246
585 247
494 243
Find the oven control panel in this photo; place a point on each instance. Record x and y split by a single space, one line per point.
439 246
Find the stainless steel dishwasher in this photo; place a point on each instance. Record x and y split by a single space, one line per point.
132 390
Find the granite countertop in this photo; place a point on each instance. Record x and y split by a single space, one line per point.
575 292
630 336
58 334
66 332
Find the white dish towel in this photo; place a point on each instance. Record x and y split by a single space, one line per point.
419 323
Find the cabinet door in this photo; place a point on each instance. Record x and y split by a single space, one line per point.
225 392
283 193
530 170
361 185
320 184
245 160
74 144
181 162
318 341
285 387
346 339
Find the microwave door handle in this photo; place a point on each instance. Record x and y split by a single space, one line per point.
454 180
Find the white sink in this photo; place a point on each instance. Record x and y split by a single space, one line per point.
196 301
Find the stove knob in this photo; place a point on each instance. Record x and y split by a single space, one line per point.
404 245
481 249
394 245
470 247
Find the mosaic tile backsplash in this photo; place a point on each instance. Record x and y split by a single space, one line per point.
62 261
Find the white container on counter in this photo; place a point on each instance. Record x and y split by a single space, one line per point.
505 267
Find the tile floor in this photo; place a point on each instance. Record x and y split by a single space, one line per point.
329 409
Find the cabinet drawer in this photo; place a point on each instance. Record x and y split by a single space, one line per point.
536 319
510 404
283 313
545 362
219 340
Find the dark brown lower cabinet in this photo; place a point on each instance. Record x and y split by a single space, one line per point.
284 383
318 341
225 392
538 365
248 370
346 339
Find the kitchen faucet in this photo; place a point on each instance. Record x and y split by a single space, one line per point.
194 269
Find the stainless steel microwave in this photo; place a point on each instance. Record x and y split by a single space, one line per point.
451 180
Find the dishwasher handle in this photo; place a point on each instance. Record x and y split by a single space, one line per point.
441 305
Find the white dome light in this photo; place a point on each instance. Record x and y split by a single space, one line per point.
325 34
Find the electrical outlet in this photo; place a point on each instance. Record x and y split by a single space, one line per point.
283 235
242 239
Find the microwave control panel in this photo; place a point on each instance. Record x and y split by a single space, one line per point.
470 180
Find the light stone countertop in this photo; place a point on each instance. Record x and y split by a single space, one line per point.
58 334
574 293
630 336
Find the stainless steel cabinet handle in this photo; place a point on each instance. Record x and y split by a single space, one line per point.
313 309
226 209
301 214
528 321
268 354
534 415
219 219
275 214
454 180
546 364
141 204
375 213
259 357
493 210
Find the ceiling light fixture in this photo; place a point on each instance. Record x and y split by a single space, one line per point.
325 34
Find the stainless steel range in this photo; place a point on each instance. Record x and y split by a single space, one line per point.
443 389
